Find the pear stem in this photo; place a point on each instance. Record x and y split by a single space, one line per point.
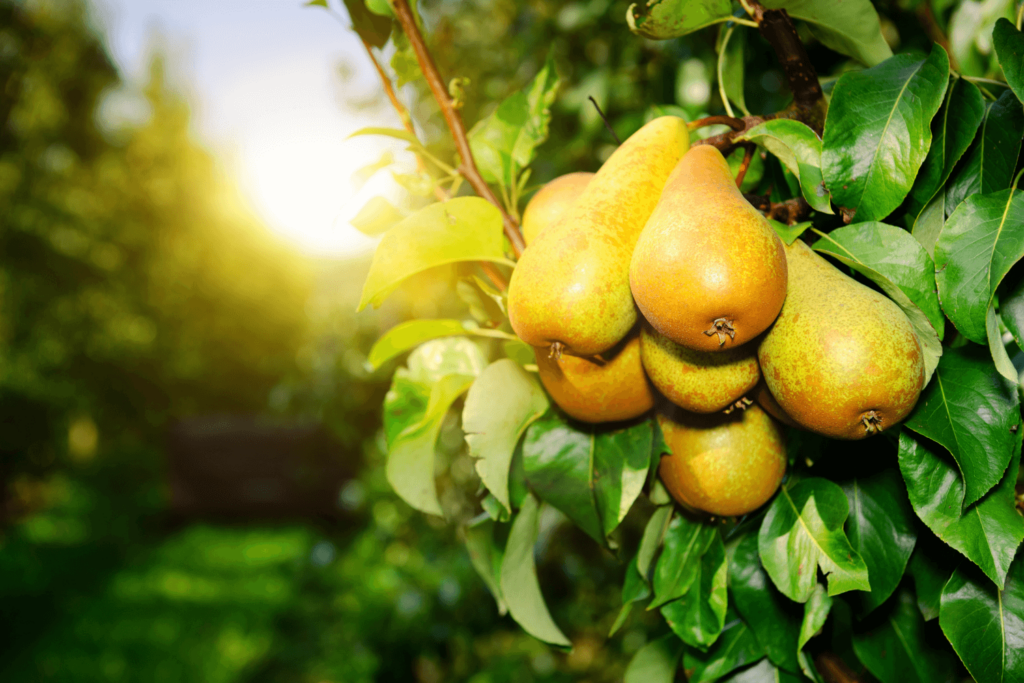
747 157
468 169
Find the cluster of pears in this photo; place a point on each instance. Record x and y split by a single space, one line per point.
655 278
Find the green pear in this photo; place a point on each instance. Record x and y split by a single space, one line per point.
841 359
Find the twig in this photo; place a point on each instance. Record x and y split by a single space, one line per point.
834 670
747 157
605 119
788 212
808 99
926 18
468 167
731 121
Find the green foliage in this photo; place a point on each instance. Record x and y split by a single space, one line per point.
799 150
664 20
851 28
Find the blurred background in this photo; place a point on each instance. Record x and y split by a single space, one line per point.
191 460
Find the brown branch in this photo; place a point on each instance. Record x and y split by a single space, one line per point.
747 157
931 27
789 212
834 670
732 122
468 167
607 123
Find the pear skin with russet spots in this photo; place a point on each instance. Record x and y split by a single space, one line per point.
570 288
842 360
708 271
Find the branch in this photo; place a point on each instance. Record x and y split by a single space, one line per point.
789 212
931 27
834 670
748 156
468 167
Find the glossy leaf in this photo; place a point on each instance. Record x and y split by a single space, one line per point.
997 348
762 672
899 265
1009 45
799 149
773 618
989 164
850 27
929 224
953 129
985 624
674 18
816 611
970 410
1011 311
789 233
503 144
882 531
697 617
503 401
655 662
979 244
685 542
377 216
878 131
931 566
895 649
634 590
736 647
519 582
410 334
486 558
372 29
592 473
988 532
397 133
803 530
651 541
451 356
461 229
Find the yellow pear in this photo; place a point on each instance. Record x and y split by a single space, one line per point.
708 271
723 464
593 390
570 289
764 398
841 360
698 381
552 202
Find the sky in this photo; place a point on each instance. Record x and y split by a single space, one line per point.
268 101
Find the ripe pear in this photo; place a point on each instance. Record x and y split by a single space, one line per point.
592 390
841 360
552 202
570 289
698 381
764 398
708 271
723 464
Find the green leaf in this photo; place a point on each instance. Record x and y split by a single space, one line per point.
977 248
377 216
789 233
899 265
519 582
731 44
403 61
1009 44
362 175
850 27
372 29
673 18
989 165
1011 310
931 566
736 647
397 133
461 229
984 624
410 334
773 618
816 611
435 359
592 473
697 617
410 466
894 647
929 224
634 589
501 404
504 143
996 346
799 149
655 662
803 530
971 410
762 672
486 557
988 532
952 132
685 542
651 541
882 530
877 132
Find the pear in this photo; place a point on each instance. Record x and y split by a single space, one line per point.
552 202
698 381
570 289
723 464
708 271
594 390
764 398
841 360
